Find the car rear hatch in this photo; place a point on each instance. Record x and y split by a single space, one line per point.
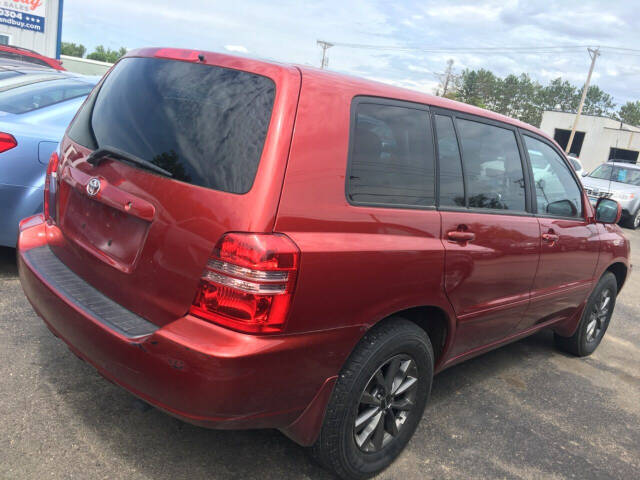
170 151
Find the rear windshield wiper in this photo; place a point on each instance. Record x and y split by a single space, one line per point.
103 152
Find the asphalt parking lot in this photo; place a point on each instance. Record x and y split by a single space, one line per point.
523 411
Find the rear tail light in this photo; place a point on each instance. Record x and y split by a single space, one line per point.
248 282
50 186
7 142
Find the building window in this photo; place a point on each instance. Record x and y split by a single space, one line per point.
562 137
5 39
621 155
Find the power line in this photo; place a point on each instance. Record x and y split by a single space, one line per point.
487 50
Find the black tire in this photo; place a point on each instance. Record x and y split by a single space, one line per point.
633 221
588 335
395 345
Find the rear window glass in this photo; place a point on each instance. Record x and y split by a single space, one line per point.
392 157
27 98
204 124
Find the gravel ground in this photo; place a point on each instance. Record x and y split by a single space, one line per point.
522 411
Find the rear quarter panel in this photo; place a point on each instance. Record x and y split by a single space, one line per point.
358 264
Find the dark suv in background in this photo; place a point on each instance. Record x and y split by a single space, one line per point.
245 244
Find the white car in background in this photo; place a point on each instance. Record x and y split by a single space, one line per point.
576 164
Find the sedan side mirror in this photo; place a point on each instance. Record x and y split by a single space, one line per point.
585 173
608 211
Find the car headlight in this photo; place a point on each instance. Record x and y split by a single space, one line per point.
620 196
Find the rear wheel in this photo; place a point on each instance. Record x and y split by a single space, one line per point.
377 402
595 319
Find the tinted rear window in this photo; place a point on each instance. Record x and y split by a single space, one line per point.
206 125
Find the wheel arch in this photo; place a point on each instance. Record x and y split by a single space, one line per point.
434 321
620 271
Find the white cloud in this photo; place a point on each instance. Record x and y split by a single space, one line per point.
255 27
236 48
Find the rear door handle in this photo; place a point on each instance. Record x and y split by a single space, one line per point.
461 236
550 237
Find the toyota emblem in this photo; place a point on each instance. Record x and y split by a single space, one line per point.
93 187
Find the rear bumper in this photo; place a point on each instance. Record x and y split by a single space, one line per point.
200 372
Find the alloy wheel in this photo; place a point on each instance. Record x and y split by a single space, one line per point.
636 219
386 403
599 316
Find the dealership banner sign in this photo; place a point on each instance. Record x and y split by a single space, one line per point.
24 14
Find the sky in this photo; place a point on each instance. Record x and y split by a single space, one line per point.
287 31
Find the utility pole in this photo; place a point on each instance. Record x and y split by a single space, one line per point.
447 77
325 46
593 53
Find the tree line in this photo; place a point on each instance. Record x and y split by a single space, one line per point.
520 97
100 53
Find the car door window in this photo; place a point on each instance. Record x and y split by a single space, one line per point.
392 160
492 166
557 192
450 166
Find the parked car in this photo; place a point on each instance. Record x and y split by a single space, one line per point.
621 182
36 106
245 244
576 164
11 52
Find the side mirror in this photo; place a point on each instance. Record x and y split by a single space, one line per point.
608 211
585 173
562 208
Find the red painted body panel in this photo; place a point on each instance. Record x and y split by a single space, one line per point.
149 257
358 265
489 279
566 270
198 371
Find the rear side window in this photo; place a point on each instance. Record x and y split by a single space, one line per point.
557 192
492 166
391 156
451 182
206 125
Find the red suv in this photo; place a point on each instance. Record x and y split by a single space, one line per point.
245 244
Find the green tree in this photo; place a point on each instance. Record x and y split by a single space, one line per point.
106 54
521 97
630 113
476 88
559 95
598 102
72 49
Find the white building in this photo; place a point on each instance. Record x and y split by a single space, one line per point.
32 24
597 139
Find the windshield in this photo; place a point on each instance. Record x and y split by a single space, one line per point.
30 97
616 173
204 124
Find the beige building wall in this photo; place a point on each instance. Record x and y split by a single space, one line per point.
84 66
601 134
